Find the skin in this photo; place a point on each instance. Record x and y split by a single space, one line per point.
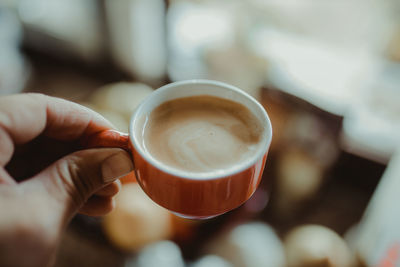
47 176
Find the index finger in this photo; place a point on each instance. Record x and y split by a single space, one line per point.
23 117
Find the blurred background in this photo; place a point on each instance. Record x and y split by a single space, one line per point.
327 72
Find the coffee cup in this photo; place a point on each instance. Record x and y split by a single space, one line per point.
196 194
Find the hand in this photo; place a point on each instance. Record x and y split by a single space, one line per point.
50 178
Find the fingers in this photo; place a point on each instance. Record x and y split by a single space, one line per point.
5 178
25 116
6 146
98 206
73 179
109 190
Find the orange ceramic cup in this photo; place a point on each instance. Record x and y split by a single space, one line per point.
191 195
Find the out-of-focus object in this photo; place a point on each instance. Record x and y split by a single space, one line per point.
371 126
378 240
393 51
308 149
299 177
10 29
322 74
14 71
256 204
280 112
204 42
137 32
192 27
63 27
314 135
351 238
359 24
116 119
11 4
246 70
251 245
119 121
122 97
160 254
211 261
315 245
184 229
136 221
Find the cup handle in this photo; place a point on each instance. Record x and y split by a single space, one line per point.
108 138
112 138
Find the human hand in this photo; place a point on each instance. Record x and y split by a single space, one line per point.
50 178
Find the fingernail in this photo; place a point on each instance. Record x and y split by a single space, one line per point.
115 166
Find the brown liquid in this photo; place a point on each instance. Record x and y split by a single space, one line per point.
202 133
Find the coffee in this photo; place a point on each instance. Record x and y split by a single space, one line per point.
202 133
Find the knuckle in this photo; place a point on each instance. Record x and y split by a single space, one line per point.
73 179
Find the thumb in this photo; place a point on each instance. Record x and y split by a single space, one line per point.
71 180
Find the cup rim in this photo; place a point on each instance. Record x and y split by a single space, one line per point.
217 174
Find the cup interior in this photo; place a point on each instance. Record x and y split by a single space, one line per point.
197 88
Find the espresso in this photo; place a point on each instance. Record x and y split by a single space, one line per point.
202 133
